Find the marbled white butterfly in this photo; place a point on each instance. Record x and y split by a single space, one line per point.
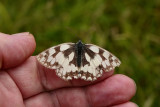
78 60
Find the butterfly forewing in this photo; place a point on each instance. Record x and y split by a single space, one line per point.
54 56
93 61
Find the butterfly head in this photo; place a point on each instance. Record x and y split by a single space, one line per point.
79 43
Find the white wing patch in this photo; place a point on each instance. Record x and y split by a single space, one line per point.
94 49
63 59
64 47
71 56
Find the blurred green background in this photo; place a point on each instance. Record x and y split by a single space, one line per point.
130 29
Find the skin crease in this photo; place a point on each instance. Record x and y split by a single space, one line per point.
25 83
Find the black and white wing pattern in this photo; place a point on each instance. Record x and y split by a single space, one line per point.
78 60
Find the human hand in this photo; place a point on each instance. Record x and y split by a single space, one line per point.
25 83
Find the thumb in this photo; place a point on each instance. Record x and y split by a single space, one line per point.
16 48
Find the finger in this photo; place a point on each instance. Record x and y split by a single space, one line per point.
41 100
48 101
31 81
115 90
10 95
127 104
14 49
27 78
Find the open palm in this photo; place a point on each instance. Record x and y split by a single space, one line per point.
25 83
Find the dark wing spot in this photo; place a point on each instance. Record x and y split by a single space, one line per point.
89 52
74 61
110 58
68 52
47 54
101 54
84 61
57 49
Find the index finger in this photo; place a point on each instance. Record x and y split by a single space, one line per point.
14 49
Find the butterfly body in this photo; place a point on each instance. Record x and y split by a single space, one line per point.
78 60
79 50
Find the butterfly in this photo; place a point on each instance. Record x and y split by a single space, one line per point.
78 60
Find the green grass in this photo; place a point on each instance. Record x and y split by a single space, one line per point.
130 29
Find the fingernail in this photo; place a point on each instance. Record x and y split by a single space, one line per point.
22 34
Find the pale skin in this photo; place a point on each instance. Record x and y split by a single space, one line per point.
25 83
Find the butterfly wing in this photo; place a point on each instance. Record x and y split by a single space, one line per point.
95 61
61 58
